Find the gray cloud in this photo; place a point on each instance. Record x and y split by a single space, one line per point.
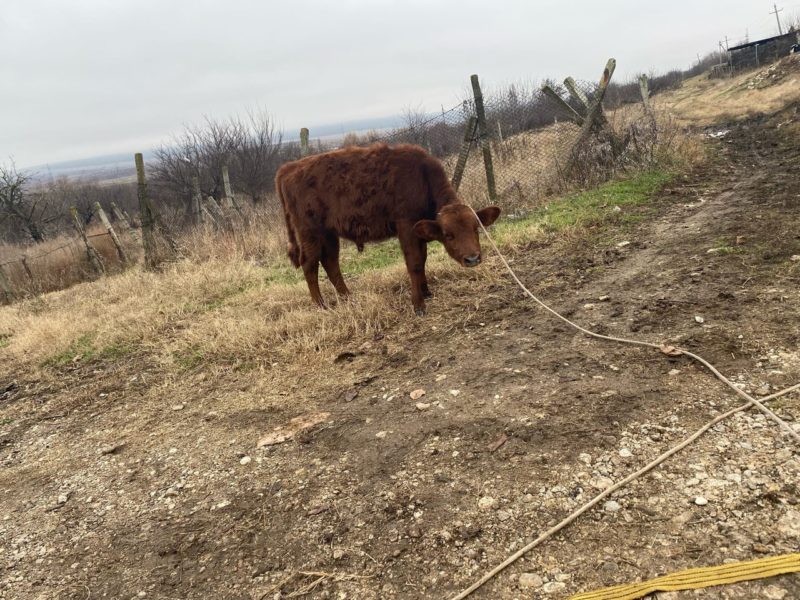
82 78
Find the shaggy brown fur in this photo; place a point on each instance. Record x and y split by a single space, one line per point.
368 195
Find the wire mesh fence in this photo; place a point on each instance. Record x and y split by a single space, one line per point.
514 147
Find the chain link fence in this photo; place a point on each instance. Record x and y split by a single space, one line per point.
531 139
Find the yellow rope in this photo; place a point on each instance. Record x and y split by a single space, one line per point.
692 579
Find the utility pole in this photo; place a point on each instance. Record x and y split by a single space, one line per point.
777 18
726 42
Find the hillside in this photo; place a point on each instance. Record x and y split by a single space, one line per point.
131 408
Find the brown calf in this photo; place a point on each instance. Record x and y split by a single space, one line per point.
368 195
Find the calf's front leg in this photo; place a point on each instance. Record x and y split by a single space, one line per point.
415 252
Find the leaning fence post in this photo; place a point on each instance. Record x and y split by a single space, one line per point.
122 219
463 155
113 234
594 111
565 107
484 137
230 197
5 286
304 150
576 92
94 257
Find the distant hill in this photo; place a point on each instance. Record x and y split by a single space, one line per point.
120 166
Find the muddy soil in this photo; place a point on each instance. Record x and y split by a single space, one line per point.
119 493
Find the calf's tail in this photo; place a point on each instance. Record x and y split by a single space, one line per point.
292 247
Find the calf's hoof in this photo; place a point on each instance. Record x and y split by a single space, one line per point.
420 312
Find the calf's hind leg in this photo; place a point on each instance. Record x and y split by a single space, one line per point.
312 254
330 262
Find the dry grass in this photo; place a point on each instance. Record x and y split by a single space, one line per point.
59 262
227 313
701 101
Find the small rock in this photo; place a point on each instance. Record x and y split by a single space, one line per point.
178 406
62 499
700 501
554 586
762 391
528 498
623 244
589 306
789 524
674 372
422 406
245 460
611 506
486 503
530 581
604 298
625 453
417 394
773 592
455 392
699 319
380 434
338 554
795 258
503 515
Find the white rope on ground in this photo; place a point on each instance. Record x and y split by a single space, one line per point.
669 350
651 465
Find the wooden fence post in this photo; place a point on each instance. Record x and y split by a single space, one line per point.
94 257
113 234
463 155
484 137
5 287
595 110
123 220
304 149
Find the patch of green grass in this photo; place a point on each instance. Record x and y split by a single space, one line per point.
587 209
189 359
80 349
6 421
84 348
5 340
581 209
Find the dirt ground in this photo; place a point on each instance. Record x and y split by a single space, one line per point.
109 489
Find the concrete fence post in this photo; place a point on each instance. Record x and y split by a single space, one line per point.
304 149
123 257
94 257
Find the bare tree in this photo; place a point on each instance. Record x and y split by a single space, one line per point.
251 148
257 155
21 208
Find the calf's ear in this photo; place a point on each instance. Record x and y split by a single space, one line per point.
488 215
428 231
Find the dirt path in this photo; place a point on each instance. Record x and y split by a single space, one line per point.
127 495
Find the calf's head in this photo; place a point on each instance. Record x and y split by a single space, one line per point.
457 229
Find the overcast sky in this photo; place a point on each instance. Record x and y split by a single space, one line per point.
82 78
